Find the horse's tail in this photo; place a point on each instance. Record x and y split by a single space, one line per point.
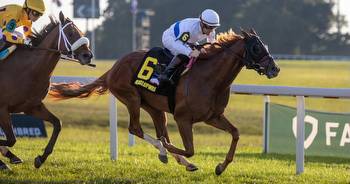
61 91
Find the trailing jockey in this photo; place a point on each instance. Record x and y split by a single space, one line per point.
13 16
182 33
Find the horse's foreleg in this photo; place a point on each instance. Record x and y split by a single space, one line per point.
43 113
7 153
222 123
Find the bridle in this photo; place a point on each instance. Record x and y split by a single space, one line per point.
247 58
252 60
68 53
70 48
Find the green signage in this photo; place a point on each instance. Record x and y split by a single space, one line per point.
326 134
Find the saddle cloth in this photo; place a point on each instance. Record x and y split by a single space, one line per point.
153 64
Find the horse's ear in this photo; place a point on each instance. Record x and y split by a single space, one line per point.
61 17
253 31
245 34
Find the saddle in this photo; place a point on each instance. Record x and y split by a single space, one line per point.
153 64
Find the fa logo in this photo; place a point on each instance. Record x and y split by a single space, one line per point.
314 123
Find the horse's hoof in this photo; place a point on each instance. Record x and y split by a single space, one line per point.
4 167
38 162
191 168
163 158
219 169
16 160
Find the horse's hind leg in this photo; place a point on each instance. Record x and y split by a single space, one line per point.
43 113
134 123
157 117
222 123
160 122
5 124
131 99
7 153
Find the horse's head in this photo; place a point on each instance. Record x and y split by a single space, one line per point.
73 42
257 56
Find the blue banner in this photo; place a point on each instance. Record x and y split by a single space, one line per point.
27 126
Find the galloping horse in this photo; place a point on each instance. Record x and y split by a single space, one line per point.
201 95
25 78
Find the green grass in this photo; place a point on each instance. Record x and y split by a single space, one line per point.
82 151
82 156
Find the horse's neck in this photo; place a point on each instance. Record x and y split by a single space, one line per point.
48 60
224 68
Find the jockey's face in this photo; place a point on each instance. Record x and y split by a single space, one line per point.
34 15
207 29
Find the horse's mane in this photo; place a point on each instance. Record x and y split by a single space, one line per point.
223 40
38 36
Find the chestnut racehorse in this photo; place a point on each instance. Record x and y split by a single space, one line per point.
25 79
201 95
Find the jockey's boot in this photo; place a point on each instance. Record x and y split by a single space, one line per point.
169 70
6 52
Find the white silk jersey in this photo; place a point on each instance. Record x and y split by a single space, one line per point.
182 32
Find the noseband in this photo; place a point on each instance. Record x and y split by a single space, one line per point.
70 48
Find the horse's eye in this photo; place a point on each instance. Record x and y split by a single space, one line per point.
70 34
257 49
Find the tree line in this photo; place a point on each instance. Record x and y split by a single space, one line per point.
287 26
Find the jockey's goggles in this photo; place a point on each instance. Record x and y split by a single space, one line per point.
36 14
209 27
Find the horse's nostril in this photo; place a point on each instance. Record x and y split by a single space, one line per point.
277 69
88 56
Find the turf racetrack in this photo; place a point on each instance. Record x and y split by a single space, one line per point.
82 151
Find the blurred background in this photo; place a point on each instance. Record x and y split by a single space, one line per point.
289 27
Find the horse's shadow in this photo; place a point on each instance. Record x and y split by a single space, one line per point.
283 157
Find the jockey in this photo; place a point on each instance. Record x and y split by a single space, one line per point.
13 16
190 30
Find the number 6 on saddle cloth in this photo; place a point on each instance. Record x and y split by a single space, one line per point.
153 64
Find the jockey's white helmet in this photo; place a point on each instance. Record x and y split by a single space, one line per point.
210 18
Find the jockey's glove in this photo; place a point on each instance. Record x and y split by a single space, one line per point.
28 42
195 53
